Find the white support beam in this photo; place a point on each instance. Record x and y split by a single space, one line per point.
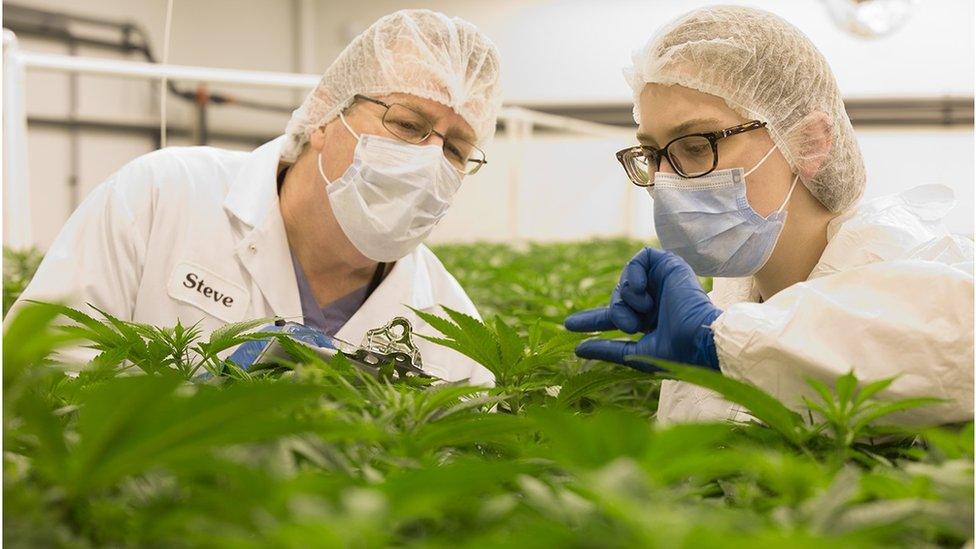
153 71
16 186
563 123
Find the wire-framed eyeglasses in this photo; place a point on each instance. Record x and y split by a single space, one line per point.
414 127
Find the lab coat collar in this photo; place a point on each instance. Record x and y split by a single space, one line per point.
255 188
264 251
263 248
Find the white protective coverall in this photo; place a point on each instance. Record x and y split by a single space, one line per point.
201 213
892 295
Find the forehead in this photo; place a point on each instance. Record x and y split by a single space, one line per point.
665 106
442 115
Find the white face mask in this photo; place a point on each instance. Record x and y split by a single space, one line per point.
392 195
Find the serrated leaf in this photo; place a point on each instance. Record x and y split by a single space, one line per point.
587 383
129 425
879 410
871 389
760 404
511 346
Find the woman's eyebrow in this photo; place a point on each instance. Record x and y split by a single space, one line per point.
696 123
681 129
645 139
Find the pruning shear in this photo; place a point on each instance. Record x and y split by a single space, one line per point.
389 344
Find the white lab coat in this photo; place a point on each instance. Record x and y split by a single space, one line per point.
892 295
142 241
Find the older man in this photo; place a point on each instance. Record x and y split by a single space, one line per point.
323 225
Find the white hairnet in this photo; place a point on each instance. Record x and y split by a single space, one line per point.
765 69
418 52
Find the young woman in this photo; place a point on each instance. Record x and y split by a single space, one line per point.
755 173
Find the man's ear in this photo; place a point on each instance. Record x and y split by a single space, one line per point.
316 139
813 139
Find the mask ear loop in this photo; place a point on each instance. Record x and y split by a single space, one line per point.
348 127
760 163
322 171
792 187
789 194
319 159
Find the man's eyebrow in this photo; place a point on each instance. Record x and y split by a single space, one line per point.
461 133
453 132
681 129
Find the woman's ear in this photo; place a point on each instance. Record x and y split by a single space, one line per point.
813 142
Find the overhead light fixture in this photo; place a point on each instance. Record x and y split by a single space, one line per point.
870 18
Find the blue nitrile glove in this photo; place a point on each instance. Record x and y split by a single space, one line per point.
659 295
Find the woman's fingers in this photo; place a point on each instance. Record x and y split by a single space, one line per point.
610 350
605 349
590 320
633 287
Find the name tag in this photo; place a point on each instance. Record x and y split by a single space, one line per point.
214 294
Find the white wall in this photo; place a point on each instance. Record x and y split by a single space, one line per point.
573 50
240 34
555 52
574 188
898 160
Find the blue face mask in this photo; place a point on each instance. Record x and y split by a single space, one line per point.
709 223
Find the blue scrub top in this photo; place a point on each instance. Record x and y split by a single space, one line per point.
331 318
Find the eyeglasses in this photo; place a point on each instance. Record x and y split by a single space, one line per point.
691 156
413 127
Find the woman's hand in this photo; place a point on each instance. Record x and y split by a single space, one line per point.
658 295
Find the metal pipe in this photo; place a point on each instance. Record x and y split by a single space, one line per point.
44 18
201 108
133 39
948 110
148 130
74 154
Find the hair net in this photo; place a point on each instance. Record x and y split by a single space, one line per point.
766 69
418 52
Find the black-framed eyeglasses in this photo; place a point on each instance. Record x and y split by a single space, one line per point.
690 156
414 127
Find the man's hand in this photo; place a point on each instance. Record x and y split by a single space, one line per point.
658 295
